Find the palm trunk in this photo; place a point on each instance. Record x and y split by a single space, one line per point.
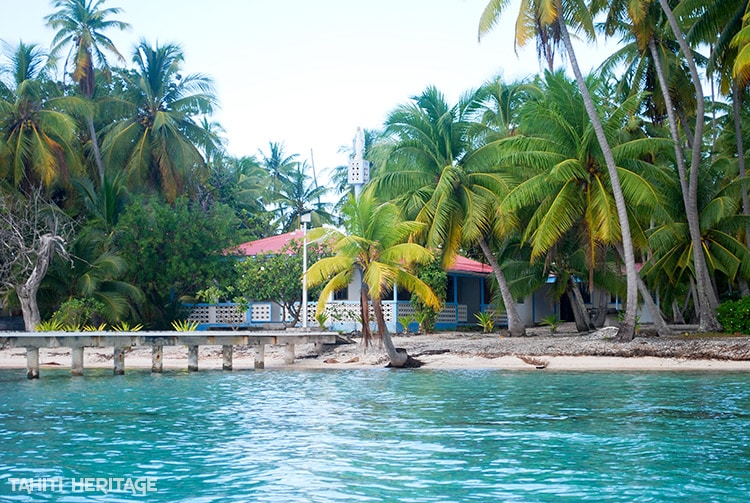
398 357
707 301
658 319
602 302
515 323
736 103
677 317
673 128
580 314
627 326
364 306
95 147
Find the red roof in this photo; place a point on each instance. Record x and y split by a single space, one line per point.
464 264
273 244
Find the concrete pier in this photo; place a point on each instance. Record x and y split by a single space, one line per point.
157 359
289 354
226 357
119 361
193 358
76 361
260 356
120 341
32 362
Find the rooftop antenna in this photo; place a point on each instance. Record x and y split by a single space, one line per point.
359 169
312 163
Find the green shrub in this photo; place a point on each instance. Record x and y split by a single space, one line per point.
734 315
437 279
75 313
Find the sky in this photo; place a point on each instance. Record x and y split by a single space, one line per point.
307 73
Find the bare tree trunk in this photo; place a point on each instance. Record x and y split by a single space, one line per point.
516 327
627 326
27 291
580 314
398 357
707 300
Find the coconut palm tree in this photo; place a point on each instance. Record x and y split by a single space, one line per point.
250 183
728 18
278 164
671 265
437 176
297 194
643 22
81 24
641 42
158 142
378 247
532 23
558 14
567 196
708 301
38 132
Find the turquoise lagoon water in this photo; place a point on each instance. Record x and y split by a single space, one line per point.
375 435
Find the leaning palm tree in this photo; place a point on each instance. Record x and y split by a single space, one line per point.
158 143
558 13
567 195
379 248
438 178
731 19
80 24
644 20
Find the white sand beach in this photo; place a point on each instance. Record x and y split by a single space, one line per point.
452 350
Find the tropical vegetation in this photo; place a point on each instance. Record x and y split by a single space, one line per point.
615 183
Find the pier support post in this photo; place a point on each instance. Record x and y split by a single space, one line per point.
157 359
119 361
32 363
289 354
76 361
226 357
260 355
318 348
193 358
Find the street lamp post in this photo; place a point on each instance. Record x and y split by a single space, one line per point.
305 219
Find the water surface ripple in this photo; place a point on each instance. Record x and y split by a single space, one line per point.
380 435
